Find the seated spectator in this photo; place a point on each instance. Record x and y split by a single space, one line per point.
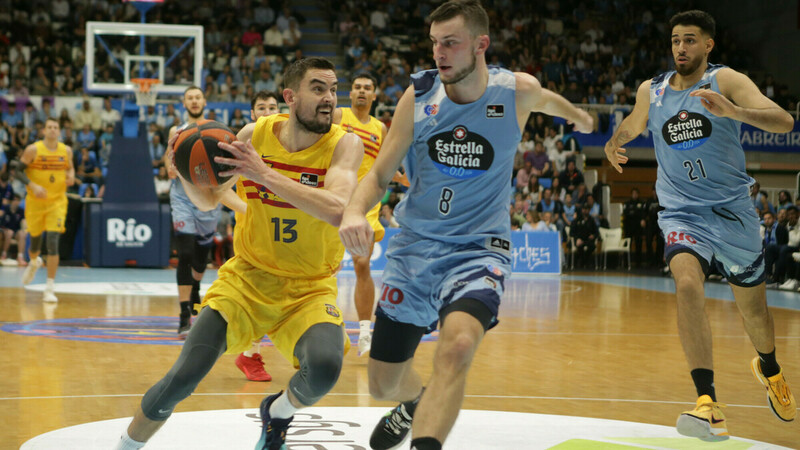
532 190
238 120
523 176
540 163
251 37
108 116
568 210
551 139
546 223
594 209
783 261
157 151
12 225
87 170
571 177
548 204
6 191
584 232
784 199
87 116
774 236
560 157
86 138
763 204
531 220
105 145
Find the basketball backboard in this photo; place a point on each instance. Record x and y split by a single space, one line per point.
116 52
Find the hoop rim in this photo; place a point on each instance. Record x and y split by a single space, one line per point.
144 84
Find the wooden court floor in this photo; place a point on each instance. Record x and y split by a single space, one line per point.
564 346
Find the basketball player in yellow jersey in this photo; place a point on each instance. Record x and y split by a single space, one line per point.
299 171
357 120
250 362
46 170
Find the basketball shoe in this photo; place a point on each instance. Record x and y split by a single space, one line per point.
780 398
184 325
705 421
273 431
30 271
392 430
253 367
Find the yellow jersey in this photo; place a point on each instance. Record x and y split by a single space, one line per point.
274 235
371 135
49 170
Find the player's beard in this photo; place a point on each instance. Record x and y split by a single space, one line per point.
689 68
463 73
314 125
195 116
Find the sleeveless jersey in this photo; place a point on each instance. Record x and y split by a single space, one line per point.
370 134
276 237
49 170
460 162
700 160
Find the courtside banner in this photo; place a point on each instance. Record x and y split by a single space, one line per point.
531 252
536 252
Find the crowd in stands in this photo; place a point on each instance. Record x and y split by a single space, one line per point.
781 234
590 51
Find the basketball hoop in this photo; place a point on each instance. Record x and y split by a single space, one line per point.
146 90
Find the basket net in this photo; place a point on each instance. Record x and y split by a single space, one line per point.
146 90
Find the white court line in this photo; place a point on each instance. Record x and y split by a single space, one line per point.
331 394
567 333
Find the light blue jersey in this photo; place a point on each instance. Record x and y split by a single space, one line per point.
703 184
455 238
700 160
460 162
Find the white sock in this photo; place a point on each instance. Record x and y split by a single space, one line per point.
365 326
51 284
282 408
253 350
126 443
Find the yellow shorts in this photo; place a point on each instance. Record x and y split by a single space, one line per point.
45 215
372 218
255 303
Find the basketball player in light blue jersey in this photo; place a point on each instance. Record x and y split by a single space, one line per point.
694 114
194 229
457 128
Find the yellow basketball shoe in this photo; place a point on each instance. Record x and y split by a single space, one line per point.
705 421
780 398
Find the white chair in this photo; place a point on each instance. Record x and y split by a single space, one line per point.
613 242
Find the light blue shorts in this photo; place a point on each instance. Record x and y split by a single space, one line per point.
423 276
186 218
728 237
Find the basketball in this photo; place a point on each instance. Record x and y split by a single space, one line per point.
195 150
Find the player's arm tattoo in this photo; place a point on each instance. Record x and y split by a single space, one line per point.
621 137
20 172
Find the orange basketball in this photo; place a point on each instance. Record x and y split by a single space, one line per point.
195 150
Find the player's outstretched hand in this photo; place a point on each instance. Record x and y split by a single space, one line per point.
244 160
715 102
356 233
615 156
